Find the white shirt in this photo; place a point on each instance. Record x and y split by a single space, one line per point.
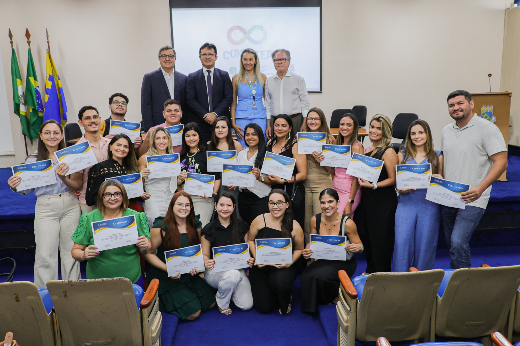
170 81
287 95
205 71
260 189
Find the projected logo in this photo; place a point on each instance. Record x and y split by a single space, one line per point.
247 34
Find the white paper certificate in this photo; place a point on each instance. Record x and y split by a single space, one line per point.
309 142
114 233
163 166
183 260
176 133
35 174
413 176
238 175
365 167
133 184
329 247
336 155
132 130
199 184
218 158
273 251
77 157
445 192
231 257
278 165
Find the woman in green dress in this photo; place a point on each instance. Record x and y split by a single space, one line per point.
182 295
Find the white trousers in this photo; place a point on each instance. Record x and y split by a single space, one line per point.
204 207
231 284
55 220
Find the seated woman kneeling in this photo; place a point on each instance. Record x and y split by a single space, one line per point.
112 202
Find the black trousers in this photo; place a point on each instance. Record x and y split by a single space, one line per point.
250 206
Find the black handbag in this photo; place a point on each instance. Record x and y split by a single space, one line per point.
298 194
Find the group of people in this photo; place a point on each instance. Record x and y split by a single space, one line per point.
316 200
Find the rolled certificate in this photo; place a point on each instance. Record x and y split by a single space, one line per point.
35 174
336 155
77 157
445 192
230 257
176 134
132 130
114 233
163 166
278 165
217 158
329 247
238 175
199 184
273 251
413 176
365 167
309 142
183 260
133 184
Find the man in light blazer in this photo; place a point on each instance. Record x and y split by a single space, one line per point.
209 92
159 86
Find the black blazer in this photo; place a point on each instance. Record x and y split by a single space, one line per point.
154 92
197 96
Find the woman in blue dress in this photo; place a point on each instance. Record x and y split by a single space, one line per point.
248 92
417 221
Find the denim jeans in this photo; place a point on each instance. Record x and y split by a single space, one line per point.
459 225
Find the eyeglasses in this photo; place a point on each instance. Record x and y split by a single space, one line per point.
313 119
116 195
280 60
122 103
181 206
89 118
49 133
207 55
164 56
279 204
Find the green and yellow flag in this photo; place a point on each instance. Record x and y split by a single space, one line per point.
33 98
18 96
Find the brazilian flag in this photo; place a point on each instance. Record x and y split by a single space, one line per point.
33 98
18 96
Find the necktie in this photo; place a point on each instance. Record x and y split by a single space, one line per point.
210 90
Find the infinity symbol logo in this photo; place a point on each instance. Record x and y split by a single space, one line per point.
247 34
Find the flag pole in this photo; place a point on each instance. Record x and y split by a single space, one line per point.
28 35
11 37
48 44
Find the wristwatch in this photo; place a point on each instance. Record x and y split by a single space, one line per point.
351 201
375 186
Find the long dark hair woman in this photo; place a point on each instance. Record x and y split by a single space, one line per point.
221 137
182 295
272 285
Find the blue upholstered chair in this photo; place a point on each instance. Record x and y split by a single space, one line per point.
384 342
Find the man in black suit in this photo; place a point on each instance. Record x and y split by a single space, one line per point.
161 85
208 81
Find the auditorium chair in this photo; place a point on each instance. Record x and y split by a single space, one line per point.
382 341
514 327
361 114
500 340
400 127
337 114
103 311
24 313
397 306
72 133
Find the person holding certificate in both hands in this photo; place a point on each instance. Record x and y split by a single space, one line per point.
417 220
57 210
225 230
182 295
379 199
123 261
272 285
320 280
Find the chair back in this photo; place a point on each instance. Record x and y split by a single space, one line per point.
397 306
337 114
72 131
361 114
100 311
516 319
401 124
23 314
476 301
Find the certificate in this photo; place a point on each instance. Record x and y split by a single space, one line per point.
133 184
278 165
183 260
336 155
445 192
35 174
176 134
199 184
231 257
114 233
132 130
163 166
365 167
329 247
77 157
309 142
413 176
217 158
238 175
273 251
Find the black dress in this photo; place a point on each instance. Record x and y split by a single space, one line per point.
98 174
378 209
272 287
320 281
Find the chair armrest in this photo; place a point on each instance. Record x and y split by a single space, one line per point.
413 269
347 284
485 266
499 339
150 294
382 341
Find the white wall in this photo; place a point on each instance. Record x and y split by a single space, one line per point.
390 55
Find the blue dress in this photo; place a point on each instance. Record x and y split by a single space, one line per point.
417 224
244 113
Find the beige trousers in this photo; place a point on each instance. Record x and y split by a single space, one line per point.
55 220
204 208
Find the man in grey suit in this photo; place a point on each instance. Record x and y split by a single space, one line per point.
160 85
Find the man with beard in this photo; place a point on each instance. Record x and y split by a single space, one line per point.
118 105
